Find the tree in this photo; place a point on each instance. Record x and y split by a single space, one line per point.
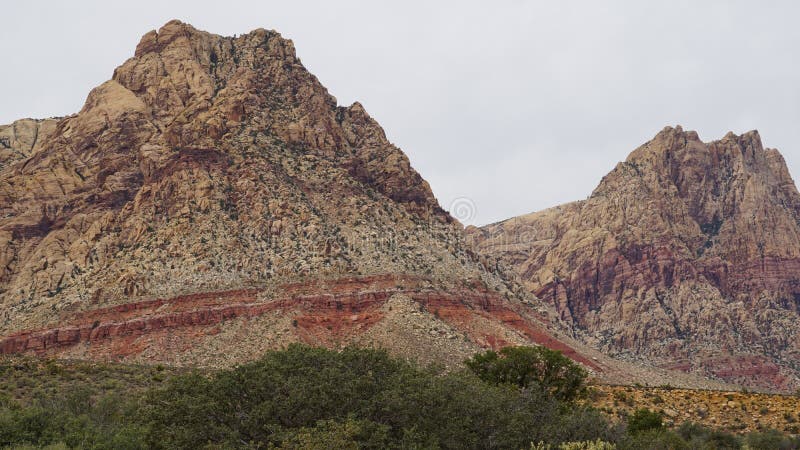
529 367
301 396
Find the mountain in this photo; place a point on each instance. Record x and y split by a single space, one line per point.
212 201
686 255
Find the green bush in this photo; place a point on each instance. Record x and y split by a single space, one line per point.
585 424
718 440
704 438
654 439
587 445
531 367
349 434
644 420
582 445
55 423
320 391
771 440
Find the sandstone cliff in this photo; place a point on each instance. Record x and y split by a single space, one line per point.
687 254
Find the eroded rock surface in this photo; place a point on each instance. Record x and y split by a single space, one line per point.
23 138
212 172
406 314
686 254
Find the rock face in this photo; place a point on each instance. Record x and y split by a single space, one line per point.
23 138
211 162
171 217
687 254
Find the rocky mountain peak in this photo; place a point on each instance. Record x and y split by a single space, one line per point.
685 248
222 133
212 201
712 183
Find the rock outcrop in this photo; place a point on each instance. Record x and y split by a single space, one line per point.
687 254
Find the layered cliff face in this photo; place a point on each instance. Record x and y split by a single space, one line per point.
212 200
686 254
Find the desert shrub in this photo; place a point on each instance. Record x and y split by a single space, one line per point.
690 430
771 440
654 439
644 420
584 424
587 445
309 398
349 434
583 445
64 422
701 437
624 398
705 438
716 440
529 367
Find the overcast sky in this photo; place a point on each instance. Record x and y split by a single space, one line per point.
516 106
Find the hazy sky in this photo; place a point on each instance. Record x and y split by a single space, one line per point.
513 105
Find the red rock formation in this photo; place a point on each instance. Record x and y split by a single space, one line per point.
684 250
210 165
346 309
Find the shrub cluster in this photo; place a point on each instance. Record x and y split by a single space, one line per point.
312 398
303 396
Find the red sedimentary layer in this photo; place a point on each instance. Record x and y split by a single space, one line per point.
348 306
763 372
460 307
643 267
760 370
162 305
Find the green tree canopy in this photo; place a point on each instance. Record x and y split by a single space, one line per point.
644 420
530 367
